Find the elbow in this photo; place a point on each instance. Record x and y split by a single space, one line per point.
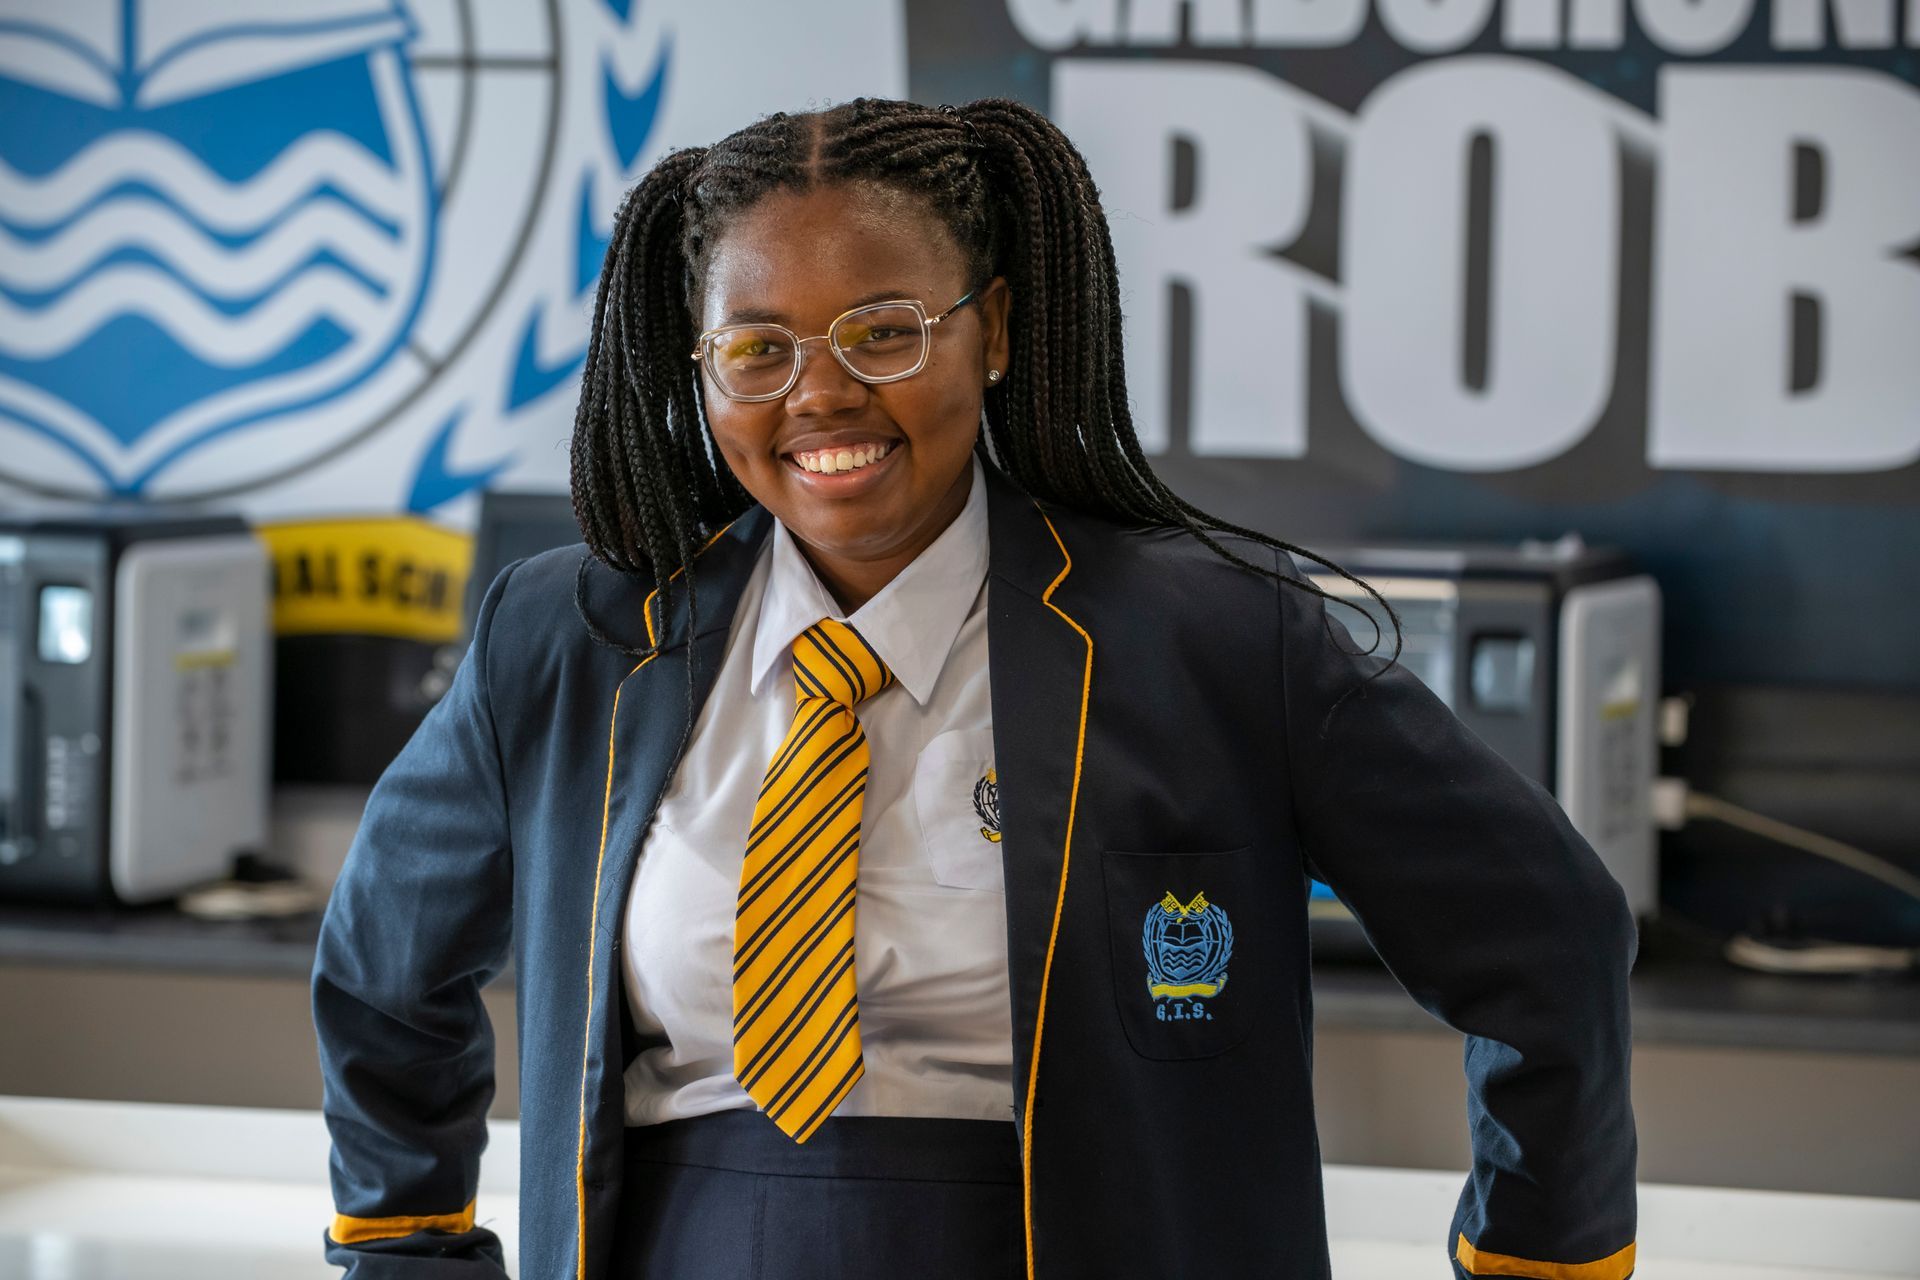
1595 910
1611 942
1596 940
1608 933
1617 930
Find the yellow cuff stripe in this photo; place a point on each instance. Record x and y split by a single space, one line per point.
360 1230
1615 1266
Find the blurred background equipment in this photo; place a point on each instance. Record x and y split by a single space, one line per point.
513 524
134 702
1550 652
366 615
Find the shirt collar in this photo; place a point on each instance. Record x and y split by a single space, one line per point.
911 622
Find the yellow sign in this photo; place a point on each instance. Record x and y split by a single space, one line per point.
396 576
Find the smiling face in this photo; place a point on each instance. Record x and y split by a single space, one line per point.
800 259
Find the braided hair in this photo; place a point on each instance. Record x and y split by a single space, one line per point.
650 489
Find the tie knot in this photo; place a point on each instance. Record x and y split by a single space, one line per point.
831 660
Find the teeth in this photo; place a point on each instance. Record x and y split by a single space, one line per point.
829 462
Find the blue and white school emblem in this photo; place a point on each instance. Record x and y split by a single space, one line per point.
233 200
1187 946
243 238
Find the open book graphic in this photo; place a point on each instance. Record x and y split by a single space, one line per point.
119 53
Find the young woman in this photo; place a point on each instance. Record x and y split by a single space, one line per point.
900 811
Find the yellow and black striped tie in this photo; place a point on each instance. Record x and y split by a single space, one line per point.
796 1018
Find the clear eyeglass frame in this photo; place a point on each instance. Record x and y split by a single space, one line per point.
707 341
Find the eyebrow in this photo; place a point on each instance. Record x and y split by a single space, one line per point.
762 315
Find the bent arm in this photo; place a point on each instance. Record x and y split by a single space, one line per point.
418 922
1500 920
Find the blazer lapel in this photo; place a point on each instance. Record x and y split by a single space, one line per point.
648 727
1041 658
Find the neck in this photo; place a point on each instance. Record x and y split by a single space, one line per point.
854 582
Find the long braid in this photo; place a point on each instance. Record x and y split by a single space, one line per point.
625 462
649 484
1125 487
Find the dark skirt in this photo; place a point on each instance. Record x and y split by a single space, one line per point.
727 1196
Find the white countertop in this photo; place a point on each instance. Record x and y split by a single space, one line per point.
142 1191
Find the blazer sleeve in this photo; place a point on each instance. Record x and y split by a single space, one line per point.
418 922
1500 920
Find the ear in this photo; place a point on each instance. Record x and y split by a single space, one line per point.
996 300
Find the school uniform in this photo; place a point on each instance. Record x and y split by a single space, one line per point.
916 1172
1169 769
934 1010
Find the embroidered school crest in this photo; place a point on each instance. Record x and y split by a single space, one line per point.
1187 946
986 803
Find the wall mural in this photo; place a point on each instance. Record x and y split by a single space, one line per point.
1442 268
1457 269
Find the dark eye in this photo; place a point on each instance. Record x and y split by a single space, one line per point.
749 345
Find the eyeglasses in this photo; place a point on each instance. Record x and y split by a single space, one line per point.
879 342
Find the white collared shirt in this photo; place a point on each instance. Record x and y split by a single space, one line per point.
930 940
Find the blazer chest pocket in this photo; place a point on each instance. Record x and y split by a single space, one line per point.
1185 984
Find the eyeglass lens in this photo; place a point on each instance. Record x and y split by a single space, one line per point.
876 343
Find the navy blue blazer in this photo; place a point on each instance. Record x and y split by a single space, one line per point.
1162 744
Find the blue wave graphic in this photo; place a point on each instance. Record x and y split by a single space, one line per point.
325 192
89 375
229 306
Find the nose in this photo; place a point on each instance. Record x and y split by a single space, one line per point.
824 386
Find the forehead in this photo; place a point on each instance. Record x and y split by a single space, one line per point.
800 258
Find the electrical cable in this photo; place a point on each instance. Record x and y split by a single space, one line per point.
1702 805
1813 955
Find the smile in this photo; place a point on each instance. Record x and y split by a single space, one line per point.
844 471
847 459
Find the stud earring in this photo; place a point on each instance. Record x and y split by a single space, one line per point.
993 375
